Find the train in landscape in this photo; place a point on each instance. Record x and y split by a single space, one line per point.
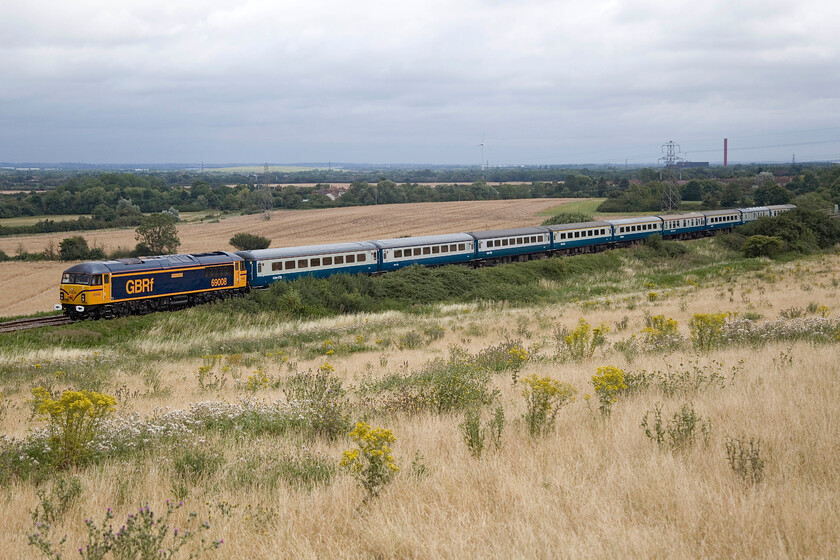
113 288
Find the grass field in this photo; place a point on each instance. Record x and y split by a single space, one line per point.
585 206
203 400
32 220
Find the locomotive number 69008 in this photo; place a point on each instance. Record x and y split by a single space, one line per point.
215 282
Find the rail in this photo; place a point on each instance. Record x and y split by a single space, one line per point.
23 324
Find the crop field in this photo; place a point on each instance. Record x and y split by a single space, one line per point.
32 220
32 287
645 407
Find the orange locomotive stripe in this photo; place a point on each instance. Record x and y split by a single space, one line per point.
178 293
167 270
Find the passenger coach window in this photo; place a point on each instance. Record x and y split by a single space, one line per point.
417 251
444 249
277 265
315 262
327 261
351 259
361 257
397 253
427 250
290 265
339 259
303 263
461 247
435 249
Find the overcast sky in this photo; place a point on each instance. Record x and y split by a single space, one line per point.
544 82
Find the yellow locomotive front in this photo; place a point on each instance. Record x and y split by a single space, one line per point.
84 289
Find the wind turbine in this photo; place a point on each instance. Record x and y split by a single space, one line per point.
482 151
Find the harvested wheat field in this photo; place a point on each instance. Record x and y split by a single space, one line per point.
39 290
696 420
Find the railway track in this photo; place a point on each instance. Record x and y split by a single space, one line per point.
23 324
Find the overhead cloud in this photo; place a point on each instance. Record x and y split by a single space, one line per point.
546 81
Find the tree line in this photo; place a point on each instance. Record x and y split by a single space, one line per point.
121 199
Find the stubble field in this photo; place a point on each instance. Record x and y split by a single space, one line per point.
593 486
27 288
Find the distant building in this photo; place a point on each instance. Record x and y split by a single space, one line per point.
682 164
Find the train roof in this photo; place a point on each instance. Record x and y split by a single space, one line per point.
581 225
686 216
489 234
284 252
781 206
398 242
161 262
755 209
721 212
634 220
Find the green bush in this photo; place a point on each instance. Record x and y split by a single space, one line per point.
681 432
567 218
76 249
249 241
443 386
762 246
803 231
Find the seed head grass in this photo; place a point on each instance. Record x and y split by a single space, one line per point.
552 496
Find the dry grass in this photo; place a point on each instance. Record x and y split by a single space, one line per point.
27 288
594 488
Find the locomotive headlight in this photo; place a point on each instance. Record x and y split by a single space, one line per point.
83 298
